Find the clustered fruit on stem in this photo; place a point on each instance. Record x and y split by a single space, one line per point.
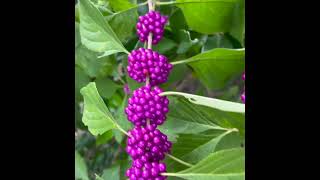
243 95
146 109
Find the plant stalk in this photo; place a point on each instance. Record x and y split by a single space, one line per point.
179 160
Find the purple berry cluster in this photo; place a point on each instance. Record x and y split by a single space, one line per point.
145 62
243 95
146 109
146 170
146 104
151 22
147 144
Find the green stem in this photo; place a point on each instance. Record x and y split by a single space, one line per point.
168 174
179 160
183 61
122 130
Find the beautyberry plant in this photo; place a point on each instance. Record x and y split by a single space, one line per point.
157 89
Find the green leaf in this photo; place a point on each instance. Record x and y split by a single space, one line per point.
185 117
204 150
208 16
192 148
217 41
96 34
133 85
120 5
178 73
210 102
104 138
89 62
177 20
124 23
96 115
185 41
164 45
215 68
222 165
112 173
106 87
238 24
80 167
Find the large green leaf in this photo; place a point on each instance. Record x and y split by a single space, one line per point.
112 173
210 102
96 33
80 167
96 115
192 148
104 138
215 68
238 24
89 62
120 5
212 16
222 165
106 87
164 45
185 117
124 23
217 41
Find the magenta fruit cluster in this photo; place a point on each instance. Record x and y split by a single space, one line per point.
147 144
146 103
151 22
145 62
146 109
243 95
146 170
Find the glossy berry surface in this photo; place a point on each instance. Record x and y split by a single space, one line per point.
152 22
145 62
147 144
146 171
145 103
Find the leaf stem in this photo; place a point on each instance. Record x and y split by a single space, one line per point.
183 61
122 130
179 160
168 174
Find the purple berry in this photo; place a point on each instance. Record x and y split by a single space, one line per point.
147 172
150 150
152 22
146 104
145 62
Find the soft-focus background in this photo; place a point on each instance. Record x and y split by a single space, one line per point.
222 26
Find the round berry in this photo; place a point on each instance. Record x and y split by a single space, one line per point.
150 151
152 22
145 62
146 104
147 172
